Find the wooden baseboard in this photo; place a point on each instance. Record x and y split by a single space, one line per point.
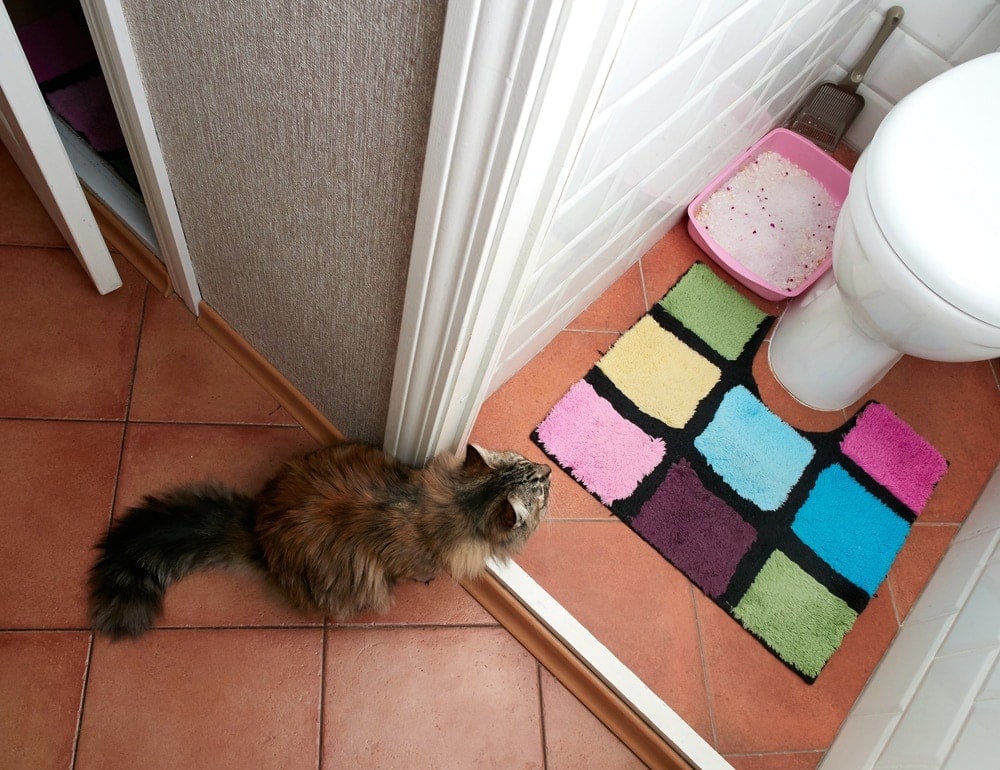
121 239
274 382
589 688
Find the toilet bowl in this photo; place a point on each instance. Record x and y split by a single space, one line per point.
916 250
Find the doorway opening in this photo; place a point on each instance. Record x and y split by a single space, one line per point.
57 43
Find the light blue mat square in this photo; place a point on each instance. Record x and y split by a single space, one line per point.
758 454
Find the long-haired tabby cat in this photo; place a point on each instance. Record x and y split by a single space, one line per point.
334 530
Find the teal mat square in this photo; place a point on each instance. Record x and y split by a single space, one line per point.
850 529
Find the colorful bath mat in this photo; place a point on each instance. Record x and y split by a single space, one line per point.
789 531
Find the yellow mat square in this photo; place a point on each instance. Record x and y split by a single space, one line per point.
660 374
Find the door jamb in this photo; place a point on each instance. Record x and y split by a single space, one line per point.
517 86
109 29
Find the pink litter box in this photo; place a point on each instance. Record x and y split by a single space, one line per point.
774 208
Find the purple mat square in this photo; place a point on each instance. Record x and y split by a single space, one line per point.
88 108
702 535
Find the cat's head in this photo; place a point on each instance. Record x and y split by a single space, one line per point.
515 491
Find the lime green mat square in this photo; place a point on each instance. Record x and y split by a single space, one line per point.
794 614
714 310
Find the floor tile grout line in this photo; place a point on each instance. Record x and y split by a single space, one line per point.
135 368
132 421
83 702
541 715
40 630
705 680
215 424
275 627
40 246
322 696
642 280
889 583
893 602
777 753
135 353
37 418
128 408
110 516
577 330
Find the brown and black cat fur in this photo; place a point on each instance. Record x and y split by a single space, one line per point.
334 530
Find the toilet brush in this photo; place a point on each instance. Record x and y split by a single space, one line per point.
831 107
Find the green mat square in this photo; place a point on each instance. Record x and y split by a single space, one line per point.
794 615
714 310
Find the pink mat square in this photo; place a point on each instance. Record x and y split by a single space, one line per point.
605 452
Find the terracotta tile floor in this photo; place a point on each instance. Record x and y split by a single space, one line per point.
105 398
734 693
102 399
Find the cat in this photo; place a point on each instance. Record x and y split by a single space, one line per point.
334 530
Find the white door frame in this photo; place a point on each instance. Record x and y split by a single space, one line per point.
108 28
517 86
26 128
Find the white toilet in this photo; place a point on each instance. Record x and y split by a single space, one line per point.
916 251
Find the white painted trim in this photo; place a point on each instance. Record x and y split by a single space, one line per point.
109 29
615 674
517 85
486 75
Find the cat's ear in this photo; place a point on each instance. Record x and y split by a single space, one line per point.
476 459
513 512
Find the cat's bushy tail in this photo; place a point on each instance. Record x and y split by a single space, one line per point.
159 541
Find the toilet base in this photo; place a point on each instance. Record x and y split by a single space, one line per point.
820 356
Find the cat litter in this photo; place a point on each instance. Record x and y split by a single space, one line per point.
769 218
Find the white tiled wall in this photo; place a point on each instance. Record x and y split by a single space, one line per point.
934 700
933 37
692 85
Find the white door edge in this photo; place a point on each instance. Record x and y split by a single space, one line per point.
109 29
